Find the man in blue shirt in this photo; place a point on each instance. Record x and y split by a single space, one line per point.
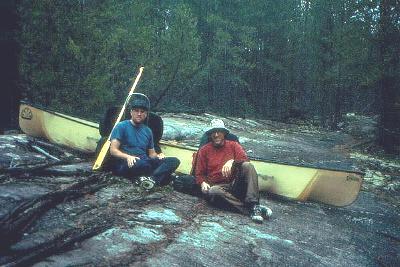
133 146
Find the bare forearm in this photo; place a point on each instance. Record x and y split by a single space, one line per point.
118 153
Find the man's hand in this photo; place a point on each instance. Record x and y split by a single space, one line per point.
227 168
131 160
204 187
161 155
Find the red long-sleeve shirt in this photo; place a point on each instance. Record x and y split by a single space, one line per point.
210 161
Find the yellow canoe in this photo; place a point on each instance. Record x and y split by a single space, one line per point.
332 187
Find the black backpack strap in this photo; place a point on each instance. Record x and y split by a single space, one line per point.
156 125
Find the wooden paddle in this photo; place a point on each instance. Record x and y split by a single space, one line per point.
104 150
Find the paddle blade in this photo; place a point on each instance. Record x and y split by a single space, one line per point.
102 155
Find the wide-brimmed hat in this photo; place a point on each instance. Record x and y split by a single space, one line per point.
217 125
140 101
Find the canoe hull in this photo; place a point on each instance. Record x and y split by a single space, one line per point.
59 129
332 187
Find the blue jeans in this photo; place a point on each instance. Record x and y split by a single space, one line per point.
160 169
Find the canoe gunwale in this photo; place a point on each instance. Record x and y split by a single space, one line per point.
55 113
306 166
194 149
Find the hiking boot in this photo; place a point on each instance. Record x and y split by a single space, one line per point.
146 182
256 215
266 212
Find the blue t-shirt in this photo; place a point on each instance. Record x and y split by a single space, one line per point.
135 139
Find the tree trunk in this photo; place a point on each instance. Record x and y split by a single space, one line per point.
8 64
389 56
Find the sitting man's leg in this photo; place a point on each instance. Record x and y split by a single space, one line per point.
242 193
163 168
248 175
220 194
141 167
245 188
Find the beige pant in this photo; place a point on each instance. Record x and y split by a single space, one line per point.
241 193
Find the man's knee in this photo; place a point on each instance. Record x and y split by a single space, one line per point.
142 165
173 162
247 166
249 172
216 190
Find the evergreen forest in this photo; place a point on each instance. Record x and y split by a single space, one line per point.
257 58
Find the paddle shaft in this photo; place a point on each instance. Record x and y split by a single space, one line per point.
104 149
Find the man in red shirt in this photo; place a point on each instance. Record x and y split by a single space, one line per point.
225 174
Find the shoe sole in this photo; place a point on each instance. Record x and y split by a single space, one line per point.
147 185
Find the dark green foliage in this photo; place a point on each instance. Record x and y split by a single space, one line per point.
81 56
266 59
